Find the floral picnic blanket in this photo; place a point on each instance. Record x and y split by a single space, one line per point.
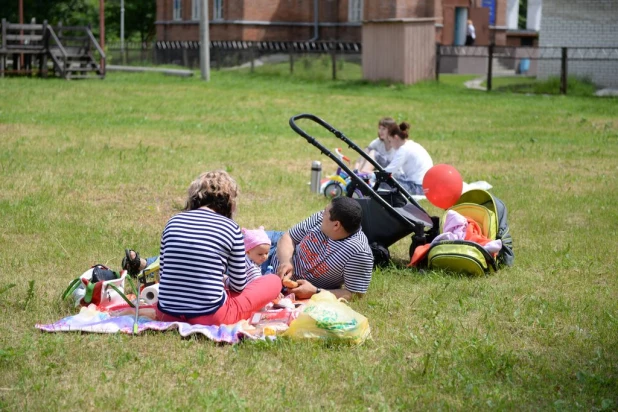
102 322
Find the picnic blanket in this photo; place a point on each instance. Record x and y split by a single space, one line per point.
321 317
94 321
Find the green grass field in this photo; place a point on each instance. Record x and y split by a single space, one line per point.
89 168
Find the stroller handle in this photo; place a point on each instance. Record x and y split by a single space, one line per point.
360 182
334 131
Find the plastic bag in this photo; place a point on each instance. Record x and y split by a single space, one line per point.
326 317
99 286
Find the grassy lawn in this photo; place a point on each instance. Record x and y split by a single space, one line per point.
89 168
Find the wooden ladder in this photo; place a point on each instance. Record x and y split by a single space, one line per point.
74 50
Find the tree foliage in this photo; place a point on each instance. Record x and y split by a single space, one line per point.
139 18
523 7
139 15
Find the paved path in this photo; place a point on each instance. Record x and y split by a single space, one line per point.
607 93
135 69
476 84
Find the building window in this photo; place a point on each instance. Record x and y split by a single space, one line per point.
195 9
355 11
217 10
177 9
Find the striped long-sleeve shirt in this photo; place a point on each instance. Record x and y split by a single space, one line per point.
328 263
253 271
197 248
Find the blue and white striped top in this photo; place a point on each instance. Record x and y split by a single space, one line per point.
327 263
253 270
197 248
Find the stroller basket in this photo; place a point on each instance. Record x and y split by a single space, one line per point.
389 211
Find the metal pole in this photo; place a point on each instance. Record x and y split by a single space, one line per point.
185 53
437 62
122 31
204 41
21 32
490 65
102 31
564 72
252 57
291 62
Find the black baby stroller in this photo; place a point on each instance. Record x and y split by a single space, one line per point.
389 211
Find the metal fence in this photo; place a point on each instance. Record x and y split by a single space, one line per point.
595 64
525 64
238 54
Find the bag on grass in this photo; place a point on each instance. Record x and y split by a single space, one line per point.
463 256
326 317
99 286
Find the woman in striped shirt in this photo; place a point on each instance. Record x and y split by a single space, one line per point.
198 247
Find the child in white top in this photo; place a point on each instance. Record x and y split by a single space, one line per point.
379 149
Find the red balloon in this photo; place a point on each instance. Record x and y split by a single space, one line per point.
442 185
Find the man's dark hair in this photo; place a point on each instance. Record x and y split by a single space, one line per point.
348 212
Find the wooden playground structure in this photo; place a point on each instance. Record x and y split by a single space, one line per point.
69 52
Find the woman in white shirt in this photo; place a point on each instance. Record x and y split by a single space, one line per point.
410 162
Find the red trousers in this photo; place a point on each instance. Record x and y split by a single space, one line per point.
238 306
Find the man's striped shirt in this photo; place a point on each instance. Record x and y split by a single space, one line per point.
328 263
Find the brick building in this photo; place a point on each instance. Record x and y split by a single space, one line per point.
584 23
339 20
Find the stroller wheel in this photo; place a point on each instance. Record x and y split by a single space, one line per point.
381 255
353 191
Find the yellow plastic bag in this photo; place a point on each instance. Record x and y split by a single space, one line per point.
326 317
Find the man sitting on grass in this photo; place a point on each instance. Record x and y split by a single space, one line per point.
327 251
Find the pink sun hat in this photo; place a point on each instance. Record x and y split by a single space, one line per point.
255 238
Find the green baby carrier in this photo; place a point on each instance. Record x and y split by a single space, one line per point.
462 256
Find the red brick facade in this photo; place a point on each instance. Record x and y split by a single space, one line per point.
293 20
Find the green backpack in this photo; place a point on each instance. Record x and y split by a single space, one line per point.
462 256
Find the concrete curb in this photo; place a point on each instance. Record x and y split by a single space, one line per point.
133 69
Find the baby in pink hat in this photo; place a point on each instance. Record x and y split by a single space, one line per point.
257 246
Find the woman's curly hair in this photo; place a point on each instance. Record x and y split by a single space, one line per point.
216 190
